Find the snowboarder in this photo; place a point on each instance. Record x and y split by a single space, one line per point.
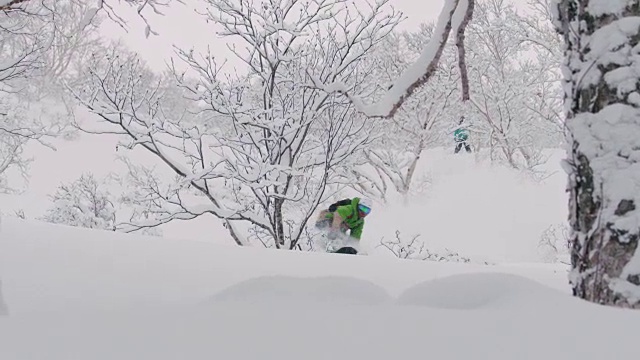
342 216
460 136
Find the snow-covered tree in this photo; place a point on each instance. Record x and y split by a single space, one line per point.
92 8
19 52
390 162
455 17
40 41
412 248
257 148
554 244
516 96
515 106
602 58
43 40
143 9
83 203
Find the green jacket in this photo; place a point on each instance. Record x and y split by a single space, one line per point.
351 218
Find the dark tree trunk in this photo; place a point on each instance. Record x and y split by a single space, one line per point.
603 123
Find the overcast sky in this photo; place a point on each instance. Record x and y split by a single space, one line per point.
184 28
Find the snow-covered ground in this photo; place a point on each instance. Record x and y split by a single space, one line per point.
70 293
83 294
75 293
482 211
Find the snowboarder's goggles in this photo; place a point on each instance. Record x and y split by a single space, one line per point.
364 209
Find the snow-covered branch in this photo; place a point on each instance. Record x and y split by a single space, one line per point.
108 7
415 249
390 163
83 203
516 101
40 42
11 5
128 97
454 17
258 148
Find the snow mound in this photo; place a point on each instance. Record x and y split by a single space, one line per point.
291 290
476 291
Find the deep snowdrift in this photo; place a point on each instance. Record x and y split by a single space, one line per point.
82 294
45 267
483 291
330 290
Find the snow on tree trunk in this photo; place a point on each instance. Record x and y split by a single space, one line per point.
602 101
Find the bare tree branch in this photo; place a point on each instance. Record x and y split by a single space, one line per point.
11 5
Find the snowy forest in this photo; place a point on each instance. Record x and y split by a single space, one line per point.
313 101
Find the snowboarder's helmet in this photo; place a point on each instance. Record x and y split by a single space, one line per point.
364 205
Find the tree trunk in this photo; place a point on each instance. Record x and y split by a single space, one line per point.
462 57
412 170
279 223
602 103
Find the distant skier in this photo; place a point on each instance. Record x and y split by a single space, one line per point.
460 136
344 216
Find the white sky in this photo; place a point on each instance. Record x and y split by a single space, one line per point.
184 28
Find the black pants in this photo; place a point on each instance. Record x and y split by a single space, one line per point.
347 250
460 145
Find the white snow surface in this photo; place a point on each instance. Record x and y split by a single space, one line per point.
85 294
483 211
602 7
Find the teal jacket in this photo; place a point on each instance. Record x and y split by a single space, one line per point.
351 218
461 135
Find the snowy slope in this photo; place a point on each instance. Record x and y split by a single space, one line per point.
82 294
47 267
482 211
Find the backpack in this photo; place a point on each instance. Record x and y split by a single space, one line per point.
333 207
